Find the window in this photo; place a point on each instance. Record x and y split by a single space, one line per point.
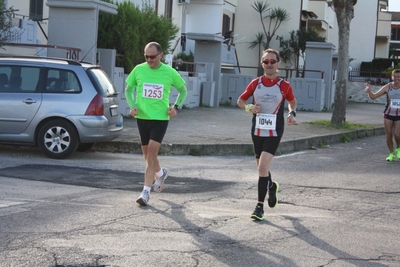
226 24
101 82
395 33
36 10
168 8
16 79
62 81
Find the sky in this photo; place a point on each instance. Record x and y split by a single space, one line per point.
394 5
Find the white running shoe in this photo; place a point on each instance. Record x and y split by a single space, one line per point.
159 181
144 198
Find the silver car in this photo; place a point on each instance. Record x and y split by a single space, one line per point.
57 104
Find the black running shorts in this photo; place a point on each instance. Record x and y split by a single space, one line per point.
267 144
151 129
392 118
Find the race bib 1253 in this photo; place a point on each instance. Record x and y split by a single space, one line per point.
151 90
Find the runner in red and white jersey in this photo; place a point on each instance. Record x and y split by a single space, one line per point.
269 94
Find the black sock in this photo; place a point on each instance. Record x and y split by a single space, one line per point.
270 180
263 184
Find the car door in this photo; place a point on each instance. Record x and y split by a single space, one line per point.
19 102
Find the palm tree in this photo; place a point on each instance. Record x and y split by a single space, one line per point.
275 17
260 42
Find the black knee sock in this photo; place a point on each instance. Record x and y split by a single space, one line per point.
263 184
270 179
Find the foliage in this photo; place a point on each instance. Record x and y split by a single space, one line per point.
184 58
258 42
379 63
274 17
5 21
388 71
295 47
379 67
344 138
392 51
131 29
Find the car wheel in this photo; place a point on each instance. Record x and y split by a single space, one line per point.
84 147
58 139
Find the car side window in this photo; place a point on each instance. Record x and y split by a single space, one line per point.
3 82
62 81
17 79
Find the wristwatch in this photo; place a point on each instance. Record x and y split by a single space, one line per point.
293 112
176 107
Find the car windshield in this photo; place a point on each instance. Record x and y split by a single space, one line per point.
103 84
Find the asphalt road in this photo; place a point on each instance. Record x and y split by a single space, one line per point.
339 206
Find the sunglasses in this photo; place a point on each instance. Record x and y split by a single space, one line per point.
151 57
269 61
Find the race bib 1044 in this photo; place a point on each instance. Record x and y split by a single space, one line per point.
266 121
152 90
395 103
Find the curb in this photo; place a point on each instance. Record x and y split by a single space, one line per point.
285 147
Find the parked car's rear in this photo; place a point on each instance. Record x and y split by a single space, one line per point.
60 105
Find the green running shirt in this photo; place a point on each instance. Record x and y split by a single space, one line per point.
153 88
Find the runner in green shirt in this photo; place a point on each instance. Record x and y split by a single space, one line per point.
148 89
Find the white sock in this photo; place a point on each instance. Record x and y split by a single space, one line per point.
160 173
147 188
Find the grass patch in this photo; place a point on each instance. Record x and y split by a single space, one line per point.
195 151
323 144
344 139
346 125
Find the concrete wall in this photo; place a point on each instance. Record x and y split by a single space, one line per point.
319 58
355 93
233 86
75 24
310 93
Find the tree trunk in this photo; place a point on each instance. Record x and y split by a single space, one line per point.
344 10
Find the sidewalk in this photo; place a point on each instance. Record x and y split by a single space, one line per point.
226 131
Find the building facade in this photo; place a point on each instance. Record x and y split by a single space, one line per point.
395 35
218 17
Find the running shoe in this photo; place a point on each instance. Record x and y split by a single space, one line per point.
159 181
398 152
390 157
273 195
258 213
144 198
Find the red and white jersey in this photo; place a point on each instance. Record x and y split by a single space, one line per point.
392 107
270 95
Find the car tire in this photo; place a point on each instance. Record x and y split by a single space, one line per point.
84 147
58 139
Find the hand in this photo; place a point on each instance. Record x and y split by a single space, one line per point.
291 120
134 112
172 111
256 108
368 88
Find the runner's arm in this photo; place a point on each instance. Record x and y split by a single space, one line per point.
379 93
129 96
181 96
